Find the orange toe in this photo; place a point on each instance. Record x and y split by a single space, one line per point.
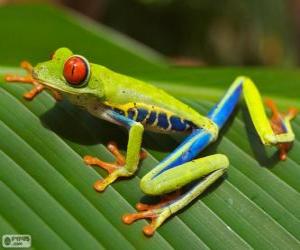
149 230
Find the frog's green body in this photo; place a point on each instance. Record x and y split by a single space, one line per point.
122 93
136 104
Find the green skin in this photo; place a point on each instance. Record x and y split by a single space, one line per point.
105 88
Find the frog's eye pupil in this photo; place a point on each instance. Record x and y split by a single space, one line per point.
76 70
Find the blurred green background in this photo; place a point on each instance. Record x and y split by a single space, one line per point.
204 32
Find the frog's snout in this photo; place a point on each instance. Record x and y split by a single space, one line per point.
38 71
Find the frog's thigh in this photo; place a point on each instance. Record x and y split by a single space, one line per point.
179 176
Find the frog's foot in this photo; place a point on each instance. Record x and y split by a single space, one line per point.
280 123
165 199
28 79
157 213
115 169
157 217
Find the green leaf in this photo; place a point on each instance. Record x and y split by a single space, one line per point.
46 190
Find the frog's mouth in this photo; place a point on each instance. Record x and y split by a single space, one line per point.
61 88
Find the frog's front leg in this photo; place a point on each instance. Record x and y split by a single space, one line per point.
123 167
28 79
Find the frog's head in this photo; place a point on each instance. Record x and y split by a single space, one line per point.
69 74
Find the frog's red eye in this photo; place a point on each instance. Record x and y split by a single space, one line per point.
76 70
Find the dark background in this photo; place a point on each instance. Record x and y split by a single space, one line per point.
204 32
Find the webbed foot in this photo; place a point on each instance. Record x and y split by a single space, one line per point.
157 213
115 169
280 123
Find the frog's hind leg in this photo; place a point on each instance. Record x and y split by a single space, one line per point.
277 131
28 79
209 169
165 199
176 171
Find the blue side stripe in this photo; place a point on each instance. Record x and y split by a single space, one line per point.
177 124
163 120
131 113
151 119
142 114
199 137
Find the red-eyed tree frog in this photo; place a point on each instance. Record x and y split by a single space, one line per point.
138 105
